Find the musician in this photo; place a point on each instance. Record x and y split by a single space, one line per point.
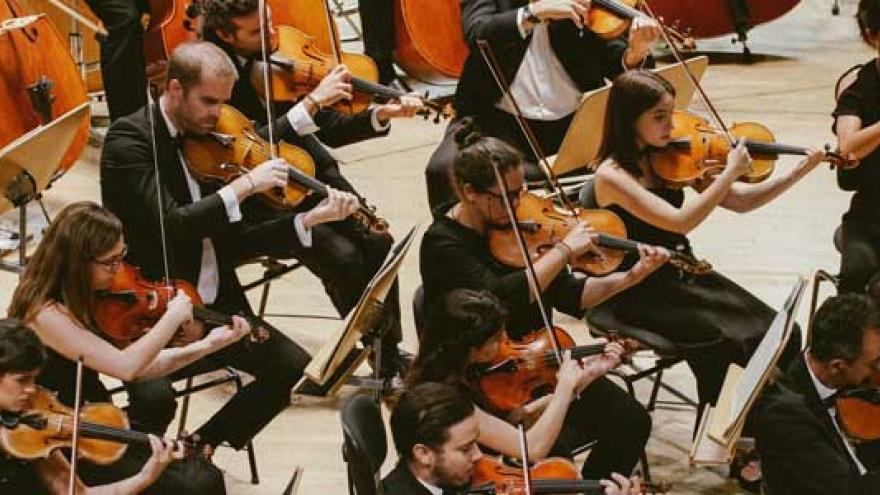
803 450
712 319
342 255
455 254
858 134
463 331
21 357
79 254
549 59
708 312
122 55
207 229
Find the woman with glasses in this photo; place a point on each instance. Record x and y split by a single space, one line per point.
78 256
455 254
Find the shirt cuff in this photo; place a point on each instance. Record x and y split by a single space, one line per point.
626 68
230 200
302 233
521 23
378 126
301 121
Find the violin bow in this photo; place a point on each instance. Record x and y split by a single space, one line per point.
153 100
267 76
74 441
667 37
532 277
524 454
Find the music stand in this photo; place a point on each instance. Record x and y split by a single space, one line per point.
580 146
27 166
361 321
720 426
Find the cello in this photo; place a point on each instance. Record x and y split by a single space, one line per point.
39 80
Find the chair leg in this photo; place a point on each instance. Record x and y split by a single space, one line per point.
264 300
184 408
252 457
655 389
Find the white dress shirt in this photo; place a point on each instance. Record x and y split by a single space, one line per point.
431 488
824 393
209 273
542 87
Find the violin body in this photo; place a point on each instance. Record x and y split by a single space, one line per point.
428 39
308 66
234 148
27 443
698 149
529 373
39 80
132 304
543 225
551 475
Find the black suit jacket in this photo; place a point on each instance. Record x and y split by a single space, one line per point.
401 481
128 189
801 451
588 59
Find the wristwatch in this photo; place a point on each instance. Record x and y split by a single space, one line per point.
530 16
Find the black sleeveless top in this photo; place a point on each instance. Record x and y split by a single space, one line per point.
642 231
59 375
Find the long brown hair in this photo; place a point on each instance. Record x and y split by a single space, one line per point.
60 271
459 323
632 94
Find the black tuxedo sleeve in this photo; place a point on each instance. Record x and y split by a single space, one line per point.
129 188
798 456
339 129
335 129
483 19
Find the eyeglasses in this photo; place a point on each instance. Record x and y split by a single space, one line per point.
512 196
113 263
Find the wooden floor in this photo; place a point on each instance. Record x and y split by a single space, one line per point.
764 251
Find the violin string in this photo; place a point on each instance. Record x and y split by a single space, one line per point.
532 277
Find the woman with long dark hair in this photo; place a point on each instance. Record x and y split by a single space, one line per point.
464 330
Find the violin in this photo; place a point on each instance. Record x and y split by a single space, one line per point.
611 18
698 148
543 225
299 65
552 475
103 430
858 411
234 148
525 370
132 305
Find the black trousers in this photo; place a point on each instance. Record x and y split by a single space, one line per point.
344 255
860 255
499 124
377 20
122 55
615 420
276 364
192 475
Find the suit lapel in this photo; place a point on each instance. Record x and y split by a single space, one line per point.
170 166
802 382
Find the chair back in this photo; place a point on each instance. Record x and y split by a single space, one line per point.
364 446
587 195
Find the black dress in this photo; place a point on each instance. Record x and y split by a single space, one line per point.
719 320
860 248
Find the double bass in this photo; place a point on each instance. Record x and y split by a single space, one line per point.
39 80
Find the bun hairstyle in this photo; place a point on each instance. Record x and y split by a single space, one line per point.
474 157
868 18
